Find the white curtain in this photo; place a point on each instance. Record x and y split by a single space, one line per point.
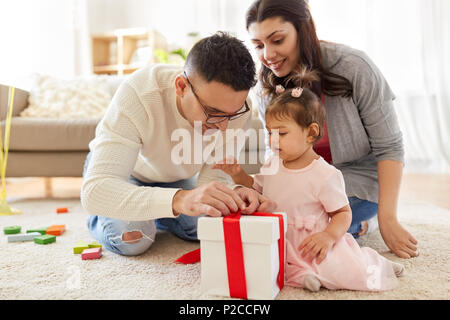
435 25
409 40
82 48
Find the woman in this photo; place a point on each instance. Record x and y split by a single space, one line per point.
362 137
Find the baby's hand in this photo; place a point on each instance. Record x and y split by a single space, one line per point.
228 165
316 246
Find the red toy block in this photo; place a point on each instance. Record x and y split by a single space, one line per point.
93 253
62 210
56 229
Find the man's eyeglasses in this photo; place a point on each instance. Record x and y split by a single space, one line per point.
216 118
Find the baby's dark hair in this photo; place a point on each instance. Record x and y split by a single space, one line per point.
304 110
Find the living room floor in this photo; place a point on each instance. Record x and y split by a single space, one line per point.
427 188
52 272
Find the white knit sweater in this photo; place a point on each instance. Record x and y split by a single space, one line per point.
134 138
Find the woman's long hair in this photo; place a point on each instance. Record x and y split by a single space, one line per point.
297 12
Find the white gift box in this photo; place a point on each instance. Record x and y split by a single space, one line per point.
259 235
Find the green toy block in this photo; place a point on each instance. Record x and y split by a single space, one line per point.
94 244
12 229
79 247
40 230
45 239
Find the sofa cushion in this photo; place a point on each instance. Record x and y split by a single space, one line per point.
40 134
82 97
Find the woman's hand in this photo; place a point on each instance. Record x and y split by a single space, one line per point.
398 239
316 246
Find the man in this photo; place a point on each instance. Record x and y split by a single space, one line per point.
132 185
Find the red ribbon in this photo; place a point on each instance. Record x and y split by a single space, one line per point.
280 277
190 257
235 258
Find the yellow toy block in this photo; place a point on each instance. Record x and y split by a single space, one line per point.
94 244
79 247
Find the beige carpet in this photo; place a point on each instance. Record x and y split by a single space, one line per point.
32 271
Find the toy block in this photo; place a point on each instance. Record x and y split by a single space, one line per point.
79 247
40 230
23 237
45 239
56 229
12 229
93 253
94 244
62 210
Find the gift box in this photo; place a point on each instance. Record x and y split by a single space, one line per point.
243 256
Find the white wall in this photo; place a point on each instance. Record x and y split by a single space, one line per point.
173 18
407 39
32 39
106 15
52 36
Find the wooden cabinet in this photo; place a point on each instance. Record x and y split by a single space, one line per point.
123 51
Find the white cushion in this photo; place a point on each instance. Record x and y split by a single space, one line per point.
77 98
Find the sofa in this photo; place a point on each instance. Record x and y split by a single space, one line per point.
41 147
44 147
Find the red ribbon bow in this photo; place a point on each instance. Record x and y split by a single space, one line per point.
234 254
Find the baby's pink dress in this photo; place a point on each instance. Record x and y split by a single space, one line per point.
306 195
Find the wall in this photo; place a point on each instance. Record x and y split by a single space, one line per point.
173 18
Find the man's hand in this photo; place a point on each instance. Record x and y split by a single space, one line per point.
255 201
213 199
400 241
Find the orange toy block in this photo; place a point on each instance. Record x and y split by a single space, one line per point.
56 229
62 210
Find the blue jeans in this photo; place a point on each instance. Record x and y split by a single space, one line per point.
362 210
109 231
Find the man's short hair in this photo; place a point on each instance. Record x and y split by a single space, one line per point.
223 58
